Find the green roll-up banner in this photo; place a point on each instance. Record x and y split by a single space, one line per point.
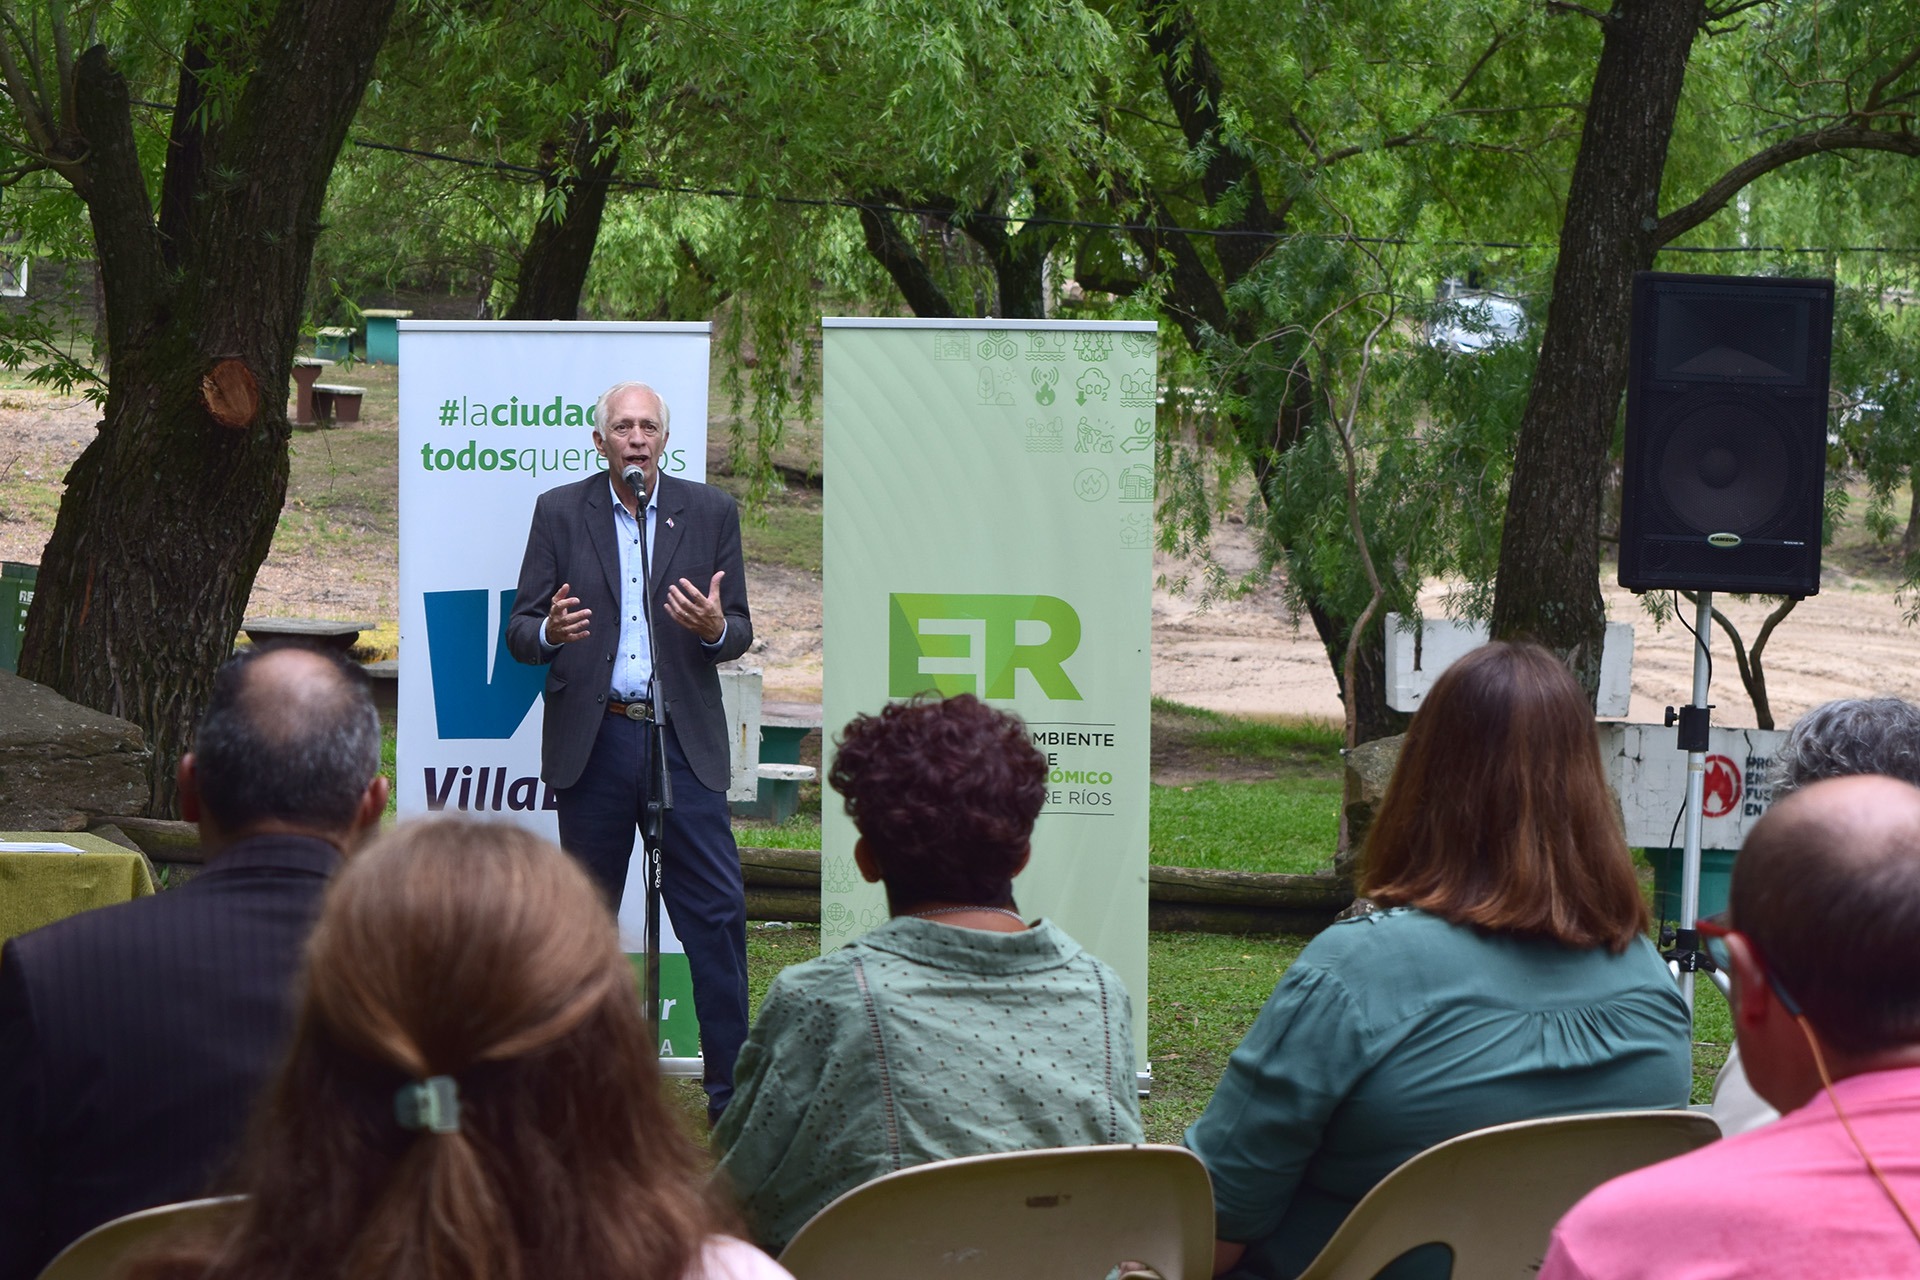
989 529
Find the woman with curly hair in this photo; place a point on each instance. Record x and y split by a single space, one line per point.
472 1092
1507 977
957 1028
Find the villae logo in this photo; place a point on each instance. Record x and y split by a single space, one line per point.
486 789
978 644
467 702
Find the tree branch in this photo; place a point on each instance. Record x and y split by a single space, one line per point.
1877 92
1350 661
42 130
1842 137
1567 6
902 261
114 186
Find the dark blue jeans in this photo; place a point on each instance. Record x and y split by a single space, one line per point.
699 876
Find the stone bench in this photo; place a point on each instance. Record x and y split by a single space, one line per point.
333 402
333 343
325 633
306 371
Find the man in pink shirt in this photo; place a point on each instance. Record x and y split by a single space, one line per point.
1823 945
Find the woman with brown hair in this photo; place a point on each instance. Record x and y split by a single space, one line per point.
471 1092
1506 975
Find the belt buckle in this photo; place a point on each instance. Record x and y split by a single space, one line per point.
639 711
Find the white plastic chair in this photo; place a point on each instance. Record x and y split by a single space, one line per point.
1057 1214
1493 1195
95 1255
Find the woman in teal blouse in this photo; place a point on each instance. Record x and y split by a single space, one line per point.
1507 976
958 1027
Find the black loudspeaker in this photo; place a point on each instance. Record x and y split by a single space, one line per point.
1726 454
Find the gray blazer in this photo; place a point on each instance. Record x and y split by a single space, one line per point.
696 534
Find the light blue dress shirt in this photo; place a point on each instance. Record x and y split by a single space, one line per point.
633 661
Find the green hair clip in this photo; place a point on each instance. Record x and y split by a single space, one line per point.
432 1105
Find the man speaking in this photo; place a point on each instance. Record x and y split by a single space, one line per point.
633 589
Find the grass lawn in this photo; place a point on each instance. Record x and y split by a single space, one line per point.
1284 824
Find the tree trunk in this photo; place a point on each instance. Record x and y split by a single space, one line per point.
1548 583
1910 540
167 515
1373 718
896 254
553 270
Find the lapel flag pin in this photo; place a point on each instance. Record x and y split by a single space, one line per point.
669 522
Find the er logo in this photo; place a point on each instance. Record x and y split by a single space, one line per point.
977 644
1722 790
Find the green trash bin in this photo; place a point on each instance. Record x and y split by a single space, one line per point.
1716 875
16 593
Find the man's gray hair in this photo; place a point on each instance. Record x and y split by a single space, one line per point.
600 405
1847 737
286 747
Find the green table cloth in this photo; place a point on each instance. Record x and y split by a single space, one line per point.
37 888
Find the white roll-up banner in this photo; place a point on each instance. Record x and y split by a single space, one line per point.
493 414
989 530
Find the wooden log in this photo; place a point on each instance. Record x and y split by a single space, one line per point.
797 905
160 839
1248 888
231 393
781 869
1201 917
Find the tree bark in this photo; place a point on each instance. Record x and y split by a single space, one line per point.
167 515
1910 540
901 261
1548 584
553 270
1372 717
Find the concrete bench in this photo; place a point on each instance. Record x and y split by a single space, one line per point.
383 335
384 679
325 633
333 343
306 372
784 726
335 403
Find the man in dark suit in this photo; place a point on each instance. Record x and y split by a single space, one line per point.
134 1038
634 590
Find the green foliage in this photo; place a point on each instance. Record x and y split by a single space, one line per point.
38 341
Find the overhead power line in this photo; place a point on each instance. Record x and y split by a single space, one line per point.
530 174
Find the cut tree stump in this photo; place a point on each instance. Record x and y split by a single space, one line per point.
231 394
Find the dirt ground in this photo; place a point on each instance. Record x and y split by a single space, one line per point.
335 557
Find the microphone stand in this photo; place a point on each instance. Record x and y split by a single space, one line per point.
659 802
1688 957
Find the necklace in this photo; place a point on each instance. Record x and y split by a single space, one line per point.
954 911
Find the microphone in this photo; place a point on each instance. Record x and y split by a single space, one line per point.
637 481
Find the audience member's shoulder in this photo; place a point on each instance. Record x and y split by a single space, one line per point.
822 978
75 937
1387 932
725 1258
1711 1184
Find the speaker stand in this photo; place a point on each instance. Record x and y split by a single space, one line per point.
1687 957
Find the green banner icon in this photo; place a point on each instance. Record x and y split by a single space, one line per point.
989 530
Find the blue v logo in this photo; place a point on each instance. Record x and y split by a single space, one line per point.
466 704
